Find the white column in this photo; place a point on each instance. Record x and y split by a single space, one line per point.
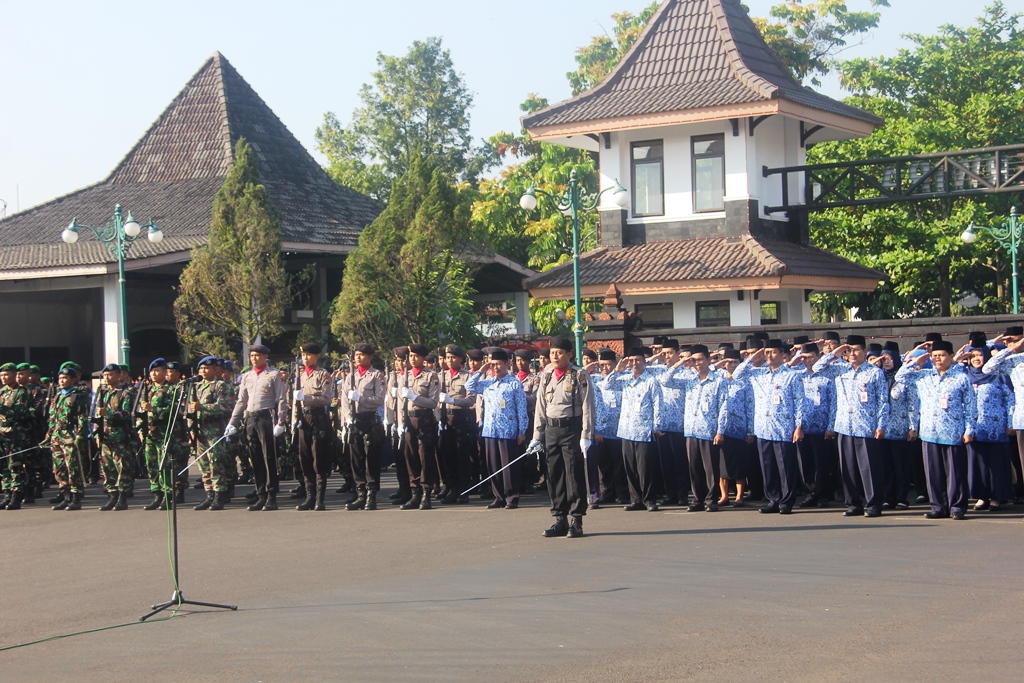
111 320
522 300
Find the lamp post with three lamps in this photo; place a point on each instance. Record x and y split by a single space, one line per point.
1008 235
117 235
571 203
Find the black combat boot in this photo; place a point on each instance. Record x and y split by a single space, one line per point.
220 499
310 501
559 528
62 500
271 503
299 492
121 501
258 504
251 496
321 497
205 505
158 501
179 495
575 528
425 503
414 502
111 501
349 487
15 503
8 497
58 499
371 500
359 503
76 502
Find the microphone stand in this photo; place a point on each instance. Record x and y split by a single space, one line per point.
177 598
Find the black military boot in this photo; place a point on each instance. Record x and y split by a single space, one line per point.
76 502
349 487
8 497
414 502
15 503
205 505
251 496
121 502
158 501
321 497
371 500
451 498
310 501
258 504
425 503
220 499
559 528
271 503
62 500
299 492
58 499
179 495
359 503
28 494
575 528
111 501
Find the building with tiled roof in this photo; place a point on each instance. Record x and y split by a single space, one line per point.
63 300
686 121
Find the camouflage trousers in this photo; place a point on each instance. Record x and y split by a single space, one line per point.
117 461
213 466
177 459
69 462
13 473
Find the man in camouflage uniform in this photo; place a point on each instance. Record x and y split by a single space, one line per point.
67 436
178 445
15 415
157 402
210 406
114 413
37 469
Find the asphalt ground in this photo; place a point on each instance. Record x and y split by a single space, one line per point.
469 594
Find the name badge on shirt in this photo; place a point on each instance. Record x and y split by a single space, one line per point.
611 402
637 408
944 402
816 398
863 396
776 399
394 392
501 404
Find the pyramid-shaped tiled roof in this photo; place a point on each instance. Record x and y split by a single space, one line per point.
692 55
173 173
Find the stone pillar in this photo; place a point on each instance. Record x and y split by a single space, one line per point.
522 301
613 326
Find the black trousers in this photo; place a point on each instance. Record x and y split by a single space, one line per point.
945 468
640 462
566 480
500 452
675 472
819 459
455 447
898 462
610 469
779 469
990 474
419 444
702 456
259 434
733 459
366 436
860 466
314 450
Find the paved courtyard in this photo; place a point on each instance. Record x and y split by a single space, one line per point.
470 594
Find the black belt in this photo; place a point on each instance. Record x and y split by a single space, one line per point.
266 412
421 413
368 415
562 421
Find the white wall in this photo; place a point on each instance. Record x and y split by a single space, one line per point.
793 308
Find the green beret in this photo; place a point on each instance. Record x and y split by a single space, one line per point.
71 364
24 366
8 367
124 368
34 369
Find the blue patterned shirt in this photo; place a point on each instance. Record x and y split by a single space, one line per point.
819 402
739 422
706 403
947 405
608 406
1011 364
672 400
642 410
862 396
778 400
903 414
995 405
504 405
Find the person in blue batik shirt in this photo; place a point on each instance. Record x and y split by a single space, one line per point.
706 393
818 454
739 431
947 411
989 472
505 426
861 415
1010 362
778 421
608 406
674 472
900 446
640 422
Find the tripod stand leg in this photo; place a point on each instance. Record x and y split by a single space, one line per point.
177 600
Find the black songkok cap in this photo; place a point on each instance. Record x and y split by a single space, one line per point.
775 344
638 351
875 348
978 339
401 352
809 347
761 335
604 353
419 349
499 354
831 336
756 344
856 340
475 354
525 354
1015 331
563 343
800 340
111 367
699 348
659 340
670 344
311 347
455 350
725 345
590 354
891 346
943 346
732 354
365 349
933 337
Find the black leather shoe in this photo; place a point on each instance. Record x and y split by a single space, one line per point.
299 492
462 500
785 511
576 527
634 507
921 500
122 501
959 516
853 512
271 503
258 505
512 505
158 500
414 502
872 513
768 509
220 499
651 507
358 504
397 495
935 515
711 507
695 507
251 496
808 502
495 504
559 528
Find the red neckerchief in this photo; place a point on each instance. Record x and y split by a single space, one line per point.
559 374
309 371
522 375
454 372
362 370
259 370
416 372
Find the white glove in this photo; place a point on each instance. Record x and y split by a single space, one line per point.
440 427
278 430
534 445
230 430
388 427
394 392
585 445
444 398
354 396
350 422
408 393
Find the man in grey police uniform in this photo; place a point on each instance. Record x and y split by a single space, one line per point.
262 401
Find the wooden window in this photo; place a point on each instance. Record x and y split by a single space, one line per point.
708 153
648 171
713 313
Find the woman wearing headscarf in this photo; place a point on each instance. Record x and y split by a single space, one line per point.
990 476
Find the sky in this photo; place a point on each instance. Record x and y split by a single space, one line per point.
83 81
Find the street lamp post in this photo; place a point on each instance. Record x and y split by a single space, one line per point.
572 203
1008 235
118 235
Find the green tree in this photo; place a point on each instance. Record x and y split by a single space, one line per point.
416 106
960 89
595 61
406 280
235 288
